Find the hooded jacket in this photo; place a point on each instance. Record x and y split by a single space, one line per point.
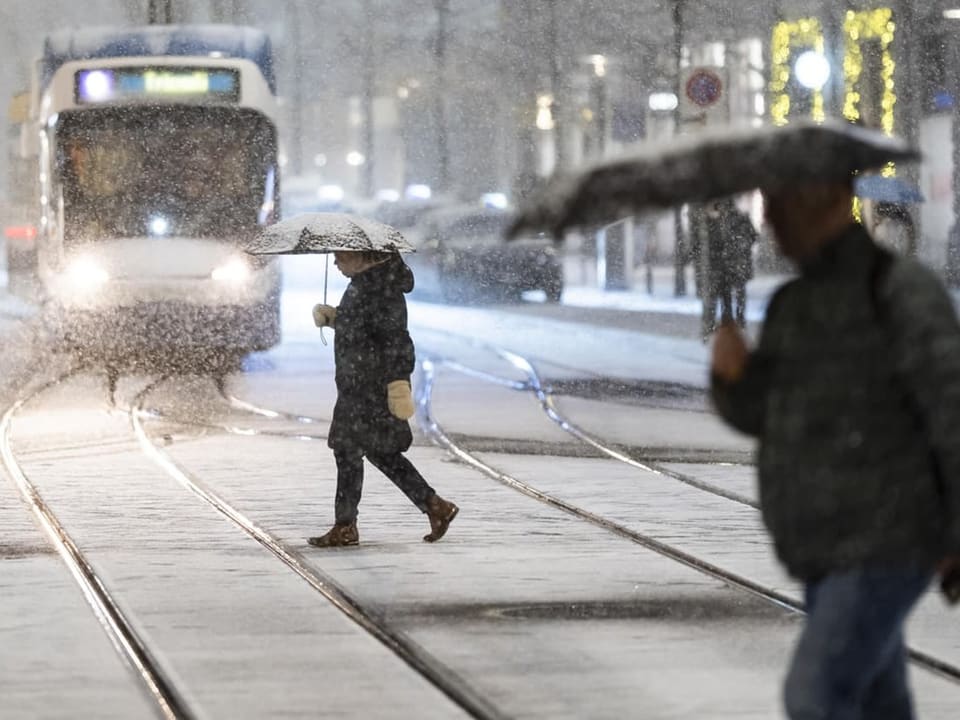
854 394
372 348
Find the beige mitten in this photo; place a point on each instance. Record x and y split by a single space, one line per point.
400 399
324 315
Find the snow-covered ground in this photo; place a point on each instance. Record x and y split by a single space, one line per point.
541 613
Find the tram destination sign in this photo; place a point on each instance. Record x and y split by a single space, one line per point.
126 84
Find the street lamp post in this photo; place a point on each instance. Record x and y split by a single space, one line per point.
228 11
953 241
366 100
160 12
679 245
296 131
439 109
599 84
559 159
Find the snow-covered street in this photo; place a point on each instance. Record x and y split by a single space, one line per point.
607 561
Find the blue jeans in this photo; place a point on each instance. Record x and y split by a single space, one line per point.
850 663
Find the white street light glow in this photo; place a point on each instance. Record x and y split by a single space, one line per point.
159 225
812 70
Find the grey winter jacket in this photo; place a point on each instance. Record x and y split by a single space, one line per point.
854 394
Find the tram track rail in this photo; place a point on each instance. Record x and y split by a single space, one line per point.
168 701
429 424
415 656
740 582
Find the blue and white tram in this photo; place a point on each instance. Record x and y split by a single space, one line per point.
158 158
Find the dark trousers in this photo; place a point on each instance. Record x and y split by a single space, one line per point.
395 466
850 663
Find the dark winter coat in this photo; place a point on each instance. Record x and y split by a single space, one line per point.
372 348
854 394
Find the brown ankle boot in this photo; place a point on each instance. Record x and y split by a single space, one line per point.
338 536
440 513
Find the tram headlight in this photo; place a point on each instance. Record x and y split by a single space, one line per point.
159 226
86 274
233 272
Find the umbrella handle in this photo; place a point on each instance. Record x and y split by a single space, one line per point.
326 274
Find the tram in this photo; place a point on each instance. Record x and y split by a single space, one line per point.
158 158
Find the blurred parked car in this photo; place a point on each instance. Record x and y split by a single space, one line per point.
405 215
307 194
462 255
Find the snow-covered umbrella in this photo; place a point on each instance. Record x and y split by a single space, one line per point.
327 233
704 167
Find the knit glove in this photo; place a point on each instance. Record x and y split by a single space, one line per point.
400 399
324 315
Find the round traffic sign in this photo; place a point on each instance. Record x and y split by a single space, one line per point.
704 87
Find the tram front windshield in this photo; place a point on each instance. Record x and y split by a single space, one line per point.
165 171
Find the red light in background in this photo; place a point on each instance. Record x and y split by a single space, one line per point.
20 232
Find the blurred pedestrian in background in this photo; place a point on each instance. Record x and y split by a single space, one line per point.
854 395
730 236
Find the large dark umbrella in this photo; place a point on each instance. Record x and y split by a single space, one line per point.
704 167
327 233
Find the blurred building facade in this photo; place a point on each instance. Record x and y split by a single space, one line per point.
469 97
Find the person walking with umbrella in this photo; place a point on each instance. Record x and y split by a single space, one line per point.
854 394
374 358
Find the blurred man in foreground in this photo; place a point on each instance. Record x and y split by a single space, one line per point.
854 395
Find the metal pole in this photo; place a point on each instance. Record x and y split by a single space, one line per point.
366 100
953 239
160 12
296 129
908 45
239 12
679 249
601 85
556 90
439 109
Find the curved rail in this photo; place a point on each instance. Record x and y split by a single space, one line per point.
430 425
432 428
545 398
170 704
419 659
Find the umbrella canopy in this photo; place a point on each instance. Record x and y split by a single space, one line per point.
327 233
705 167
886 189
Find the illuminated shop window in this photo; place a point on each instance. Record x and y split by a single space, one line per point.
787 37
860 27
